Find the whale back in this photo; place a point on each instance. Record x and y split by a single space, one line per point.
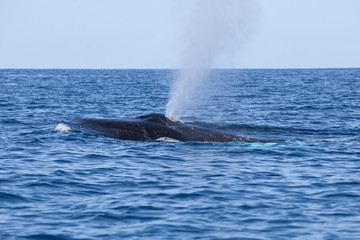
153 127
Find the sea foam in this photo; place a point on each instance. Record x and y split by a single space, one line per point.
62 127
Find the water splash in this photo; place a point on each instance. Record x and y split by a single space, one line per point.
217 27
63 128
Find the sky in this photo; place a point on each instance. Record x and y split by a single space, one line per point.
124 34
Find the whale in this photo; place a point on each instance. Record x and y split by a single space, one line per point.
155 127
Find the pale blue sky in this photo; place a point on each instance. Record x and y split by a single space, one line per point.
149 34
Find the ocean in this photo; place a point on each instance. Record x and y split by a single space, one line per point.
305 184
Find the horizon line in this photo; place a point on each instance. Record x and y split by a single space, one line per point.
274 68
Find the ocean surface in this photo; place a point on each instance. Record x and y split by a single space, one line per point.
58 184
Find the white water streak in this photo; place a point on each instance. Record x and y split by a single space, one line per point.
217 27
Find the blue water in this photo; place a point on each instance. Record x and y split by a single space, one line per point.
74 185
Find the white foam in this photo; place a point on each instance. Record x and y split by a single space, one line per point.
62 127
167 139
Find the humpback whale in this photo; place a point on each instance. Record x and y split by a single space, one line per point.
153 127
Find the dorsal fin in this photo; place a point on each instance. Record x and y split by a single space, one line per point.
158 118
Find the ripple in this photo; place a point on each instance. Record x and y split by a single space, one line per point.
45 236
341 195
12 198
126 218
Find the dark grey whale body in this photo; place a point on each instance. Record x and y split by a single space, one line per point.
154 127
